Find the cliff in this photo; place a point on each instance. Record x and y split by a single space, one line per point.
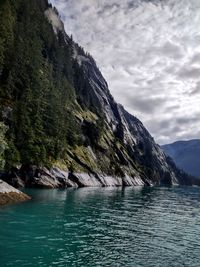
59 113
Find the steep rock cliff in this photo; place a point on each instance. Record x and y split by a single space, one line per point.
60 114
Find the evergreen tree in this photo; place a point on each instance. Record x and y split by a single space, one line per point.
3 144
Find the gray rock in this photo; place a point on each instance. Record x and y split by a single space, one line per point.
45 179
63 177
9 194
85 180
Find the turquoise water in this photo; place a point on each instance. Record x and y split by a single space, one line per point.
147 227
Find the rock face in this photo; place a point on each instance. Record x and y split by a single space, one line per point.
89 180
62 115
186 155
9 194
56 178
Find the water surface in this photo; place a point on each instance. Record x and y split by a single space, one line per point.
134 227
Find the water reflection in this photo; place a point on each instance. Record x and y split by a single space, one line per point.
103 227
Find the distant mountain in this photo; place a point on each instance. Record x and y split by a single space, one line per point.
56 111
186 155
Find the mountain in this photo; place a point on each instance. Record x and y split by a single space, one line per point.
60 126
186 155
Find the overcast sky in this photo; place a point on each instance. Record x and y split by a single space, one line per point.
149 53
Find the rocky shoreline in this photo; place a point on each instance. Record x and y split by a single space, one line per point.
33 177
9 194
57 178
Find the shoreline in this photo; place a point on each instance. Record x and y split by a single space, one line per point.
9 194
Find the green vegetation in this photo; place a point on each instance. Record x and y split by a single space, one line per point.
3 144
46 100
36 83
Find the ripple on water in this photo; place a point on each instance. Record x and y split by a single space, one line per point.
135 227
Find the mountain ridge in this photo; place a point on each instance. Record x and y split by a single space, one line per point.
185 154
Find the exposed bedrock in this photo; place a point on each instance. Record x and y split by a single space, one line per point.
9 194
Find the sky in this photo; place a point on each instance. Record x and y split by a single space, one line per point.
149 53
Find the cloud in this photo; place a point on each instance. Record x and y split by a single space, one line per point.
196 89
171 50
145 104
149 53
189 72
